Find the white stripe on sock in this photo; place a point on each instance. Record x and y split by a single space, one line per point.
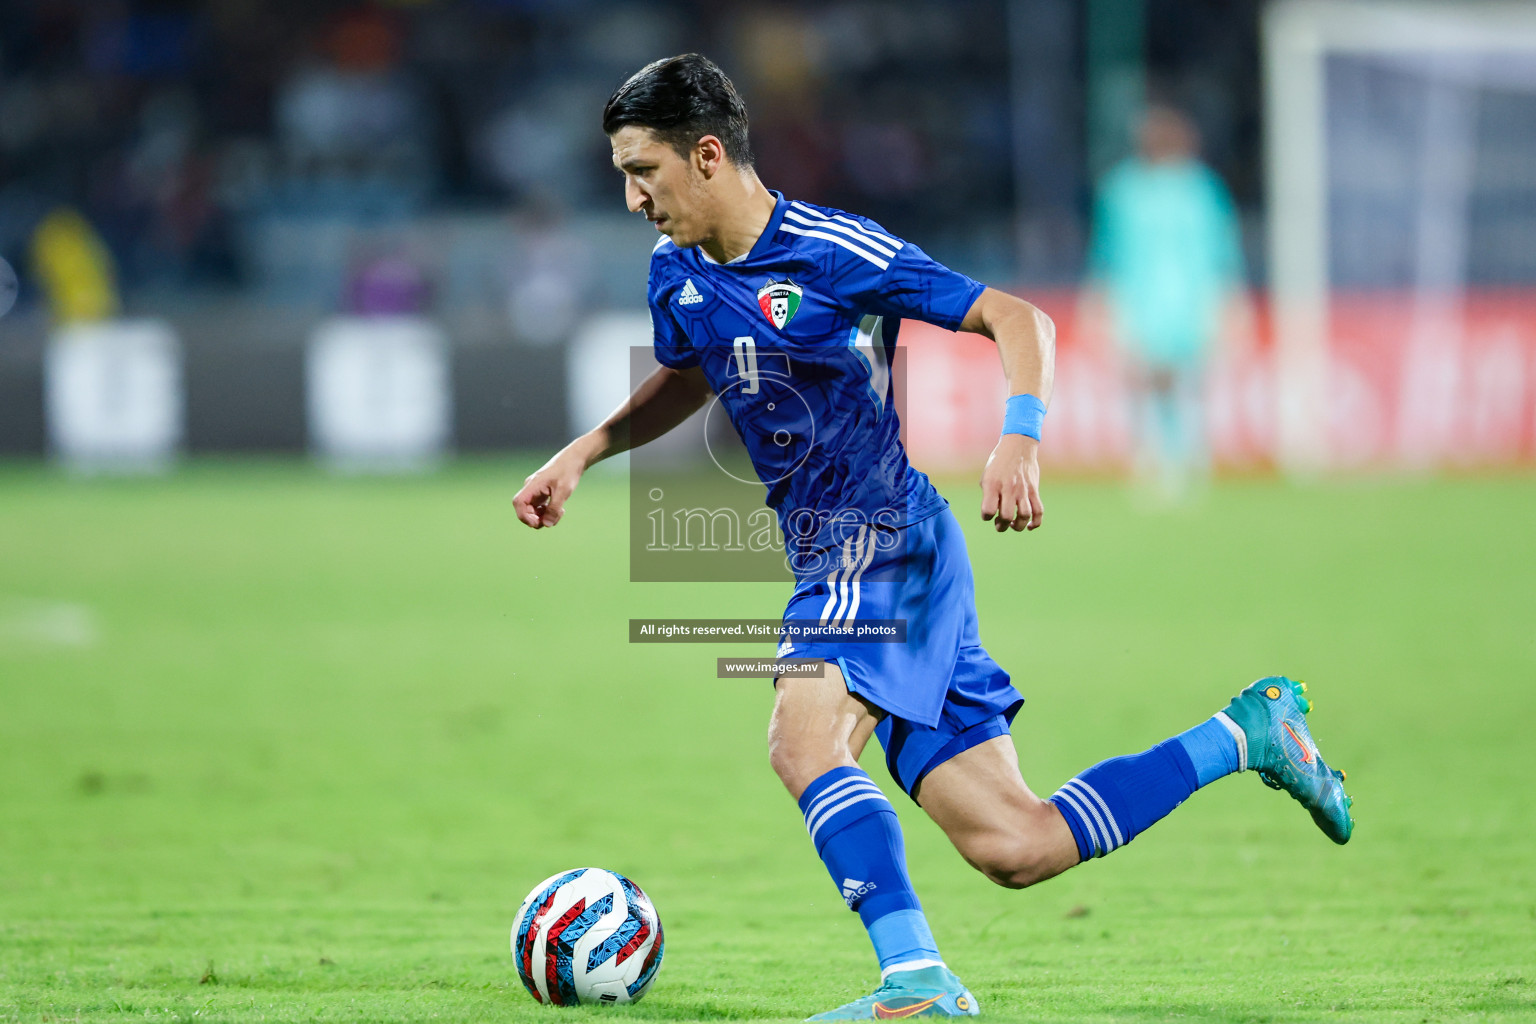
818 814
1114 825
1237 734
910 965
835 792
860 797
824 807
1088 823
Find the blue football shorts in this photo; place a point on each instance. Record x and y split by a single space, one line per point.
941 690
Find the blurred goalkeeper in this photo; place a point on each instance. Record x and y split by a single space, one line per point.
786 313
1166 271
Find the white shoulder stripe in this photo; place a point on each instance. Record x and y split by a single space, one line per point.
827 225
663 240
845 243
861 228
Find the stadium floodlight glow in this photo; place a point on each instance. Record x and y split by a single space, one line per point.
1451 52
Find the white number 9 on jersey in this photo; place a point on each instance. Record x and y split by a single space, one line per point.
746 363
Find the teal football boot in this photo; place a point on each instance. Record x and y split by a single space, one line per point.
926 992
1273 716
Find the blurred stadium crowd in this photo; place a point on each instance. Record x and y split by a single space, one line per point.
232 178
218 145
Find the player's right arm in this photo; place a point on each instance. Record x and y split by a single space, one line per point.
662 401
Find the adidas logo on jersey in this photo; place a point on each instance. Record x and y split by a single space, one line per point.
689 296
852 890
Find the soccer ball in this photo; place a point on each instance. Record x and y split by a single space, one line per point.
586 936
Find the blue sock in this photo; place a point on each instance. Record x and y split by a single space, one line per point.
1217 747
1117 800
857 835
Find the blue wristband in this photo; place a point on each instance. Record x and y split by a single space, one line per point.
1025 415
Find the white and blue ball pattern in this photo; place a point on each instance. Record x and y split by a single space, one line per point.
587 936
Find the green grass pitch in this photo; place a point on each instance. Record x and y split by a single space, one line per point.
276 746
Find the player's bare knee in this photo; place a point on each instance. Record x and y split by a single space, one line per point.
1012 861
784 757
1023 850
816 726
1027 866
800 757
797 757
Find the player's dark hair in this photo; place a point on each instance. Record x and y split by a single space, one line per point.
682 99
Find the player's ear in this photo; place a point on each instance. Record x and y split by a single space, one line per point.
708 155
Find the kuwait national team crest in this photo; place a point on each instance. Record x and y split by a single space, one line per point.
779 300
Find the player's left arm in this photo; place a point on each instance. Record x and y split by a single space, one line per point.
1026 342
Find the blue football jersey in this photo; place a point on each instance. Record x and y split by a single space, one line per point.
796 338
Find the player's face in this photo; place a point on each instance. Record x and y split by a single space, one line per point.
661 184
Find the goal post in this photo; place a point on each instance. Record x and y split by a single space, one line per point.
1383 157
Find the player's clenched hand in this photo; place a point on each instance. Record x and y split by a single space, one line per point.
1010 484
541 502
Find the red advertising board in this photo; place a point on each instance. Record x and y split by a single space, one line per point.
1409 385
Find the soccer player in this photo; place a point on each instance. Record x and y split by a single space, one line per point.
786 313
1167 265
